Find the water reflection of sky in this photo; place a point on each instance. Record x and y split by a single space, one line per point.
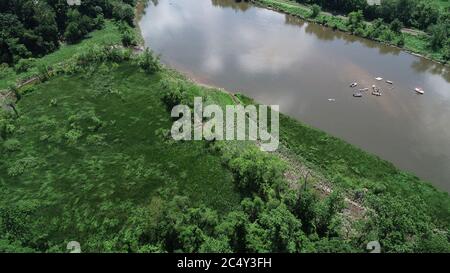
279 59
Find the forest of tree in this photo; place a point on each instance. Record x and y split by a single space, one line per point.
425 15
420 14
31 28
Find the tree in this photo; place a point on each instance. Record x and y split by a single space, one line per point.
446 50
257 172
78 26
316 9
46 29
276 230
396 26
355 20
234 228
128 39
403 11
401 41
215 245
439 34
149 62
123 12
30 28
327 210
424 15
399 224
304 208
23 65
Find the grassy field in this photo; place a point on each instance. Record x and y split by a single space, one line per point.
89 150
107 35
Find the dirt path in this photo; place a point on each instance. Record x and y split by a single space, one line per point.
297 173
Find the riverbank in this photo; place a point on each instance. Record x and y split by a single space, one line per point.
411 42
105 129
362 176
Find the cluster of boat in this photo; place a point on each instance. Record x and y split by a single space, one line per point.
377 91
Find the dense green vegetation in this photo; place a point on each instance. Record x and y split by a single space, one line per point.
87 156
88 149
383 23
31 28
28 68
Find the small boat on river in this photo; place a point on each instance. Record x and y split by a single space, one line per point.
354 84
419 91
389 82
376 91
379 78
357 95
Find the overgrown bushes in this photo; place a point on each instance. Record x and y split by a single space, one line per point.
149 62
174 92
128 35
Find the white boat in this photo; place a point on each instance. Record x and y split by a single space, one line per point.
390 82
363 89
419 91
354 84
379 79
357 95
376 93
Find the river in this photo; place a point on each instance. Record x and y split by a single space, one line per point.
307 69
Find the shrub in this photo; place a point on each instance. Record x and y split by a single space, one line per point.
446 50
359 31
6 126
149 62
401 41
24 65
173 92
11 145
257 172
396 26
123 12
128 38
99 21
387 35
98 55
73 135
19 167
